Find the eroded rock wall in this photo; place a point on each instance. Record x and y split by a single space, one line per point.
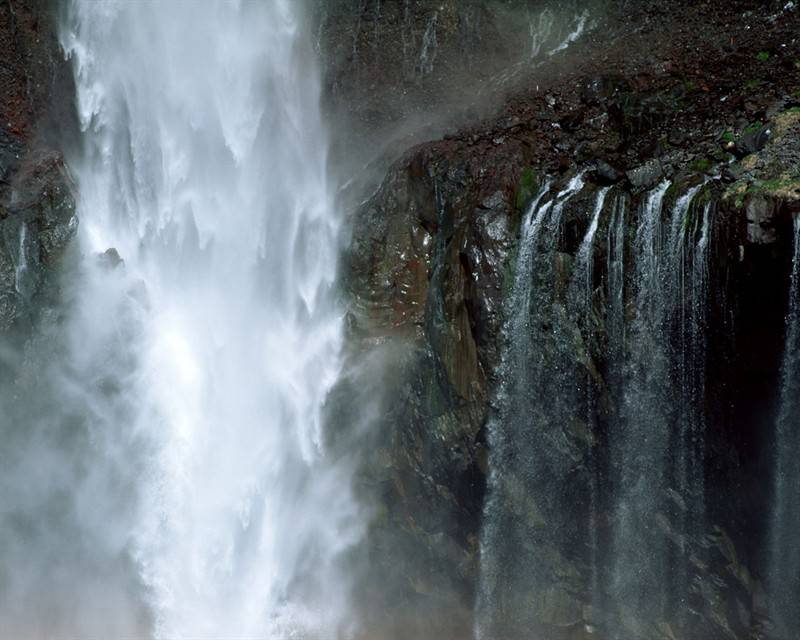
37 118
428 268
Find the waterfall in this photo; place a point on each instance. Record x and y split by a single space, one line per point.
694 311
540 30
657 440
585 263
582 289
552 484
22 260
580 27
784 569
639 439
428 51
687 290
491 568
526 463
615 282
206 354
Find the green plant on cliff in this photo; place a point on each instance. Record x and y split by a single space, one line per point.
784 186
762 56
527 187
781 186
752 128
701 165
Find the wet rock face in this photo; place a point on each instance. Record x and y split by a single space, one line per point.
37 212
37 223
428 268
410 68
426 272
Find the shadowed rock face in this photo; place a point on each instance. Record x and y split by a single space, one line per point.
635 103
398 71
37 119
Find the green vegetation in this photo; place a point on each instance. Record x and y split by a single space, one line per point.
728 136
774 185
784 186
701 165
720 156
527 187
703 198
753 84
752 128
762 56
737 193
690 86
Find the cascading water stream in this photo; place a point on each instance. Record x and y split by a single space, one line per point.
581 296
523 439
784 561
640 440
694 328
217 338
557 396
657 447
584 269
22 261
615 285
688 296
491 568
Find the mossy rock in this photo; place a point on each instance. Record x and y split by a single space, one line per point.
701 165
528 187
785 123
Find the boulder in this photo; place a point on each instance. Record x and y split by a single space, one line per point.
647 175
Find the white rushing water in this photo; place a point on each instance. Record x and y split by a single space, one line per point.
639 440
22 259
218 337
585 265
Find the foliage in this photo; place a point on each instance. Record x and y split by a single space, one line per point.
527 187
752 128
701 165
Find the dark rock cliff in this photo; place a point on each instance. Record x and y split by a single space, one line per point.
647 95
37 118
400 71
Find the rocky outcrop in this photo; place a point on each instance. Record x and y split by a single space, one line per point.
37 118
426 278
37 223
